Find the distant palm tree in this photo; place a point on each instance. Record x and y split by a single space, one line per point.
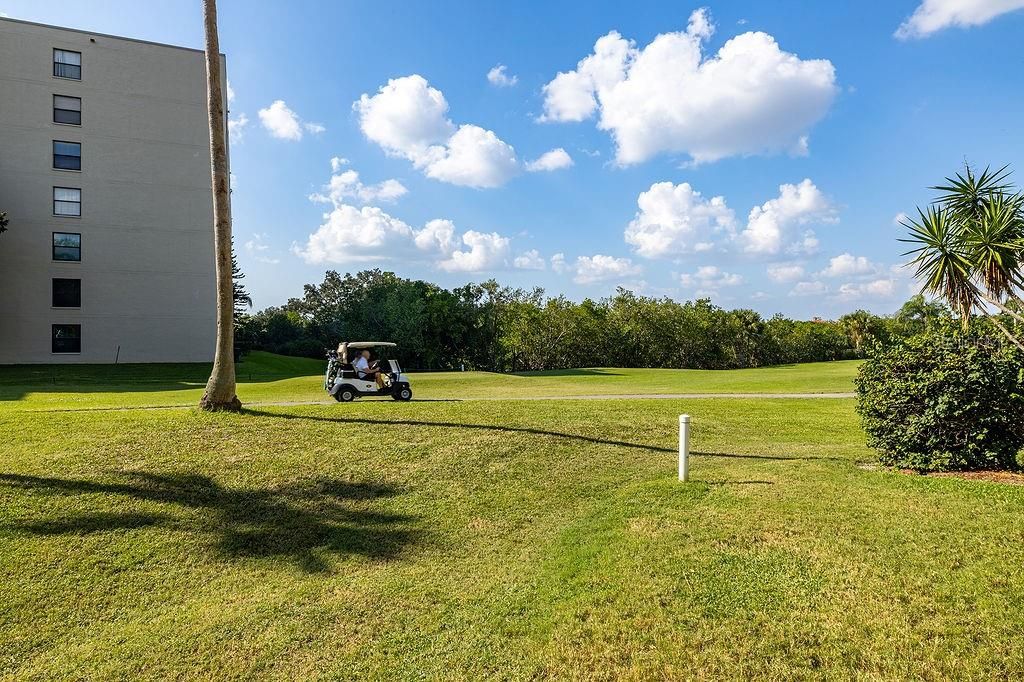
220 389
919 314
969 248
859 327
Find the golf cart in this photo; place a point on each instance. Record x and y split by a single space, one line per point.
344 383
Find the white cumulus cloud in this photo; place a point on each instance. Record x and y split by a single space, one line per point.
236 128
529 260
358 235
669 97
676 219
807 244
785 272
556 159
500 77
809 288
346 185
770 224
599 268
284 124
409 118
879 288
935 15
847 265
479 251
558 263
473 157
710 278
437 236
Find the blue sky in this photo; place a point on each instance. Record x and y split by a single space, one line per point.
769 172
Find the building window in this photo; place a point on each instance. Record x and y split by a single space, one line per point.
67 246
67 155
67 293
67 110
67 338
67 201
67 64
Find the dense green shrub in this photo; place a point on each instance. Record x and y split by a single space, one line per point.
944 400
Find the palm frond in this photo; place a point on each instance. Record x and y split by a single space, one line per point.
940 263
966 193
994 244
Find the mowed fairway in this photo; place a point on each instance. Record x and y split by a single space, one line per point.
264 377
491 539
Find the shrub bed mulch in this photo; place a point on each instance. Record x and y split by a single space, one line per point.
1007 477
1004 477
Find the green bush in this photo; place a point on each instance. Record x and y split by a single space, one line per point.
944 401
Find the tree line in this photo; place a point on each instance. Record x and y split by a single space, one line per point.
491 327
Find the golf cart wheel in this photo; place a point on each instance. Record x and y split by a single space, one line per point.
404 393
345 394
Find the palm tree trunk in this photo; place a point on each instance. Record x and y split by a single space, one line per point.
220 389
1002 308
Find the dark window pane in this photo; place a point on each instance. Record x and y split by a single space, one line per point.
72 71
67 338
67 246
67 162
68 253
67 293
67 116
67 155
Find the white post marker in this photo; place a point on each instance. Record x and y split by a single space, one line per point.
684 447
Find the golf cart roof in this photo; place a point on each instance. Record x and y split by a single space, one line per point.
368 344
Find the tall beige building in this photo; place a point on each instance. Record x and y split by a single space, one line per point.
105 177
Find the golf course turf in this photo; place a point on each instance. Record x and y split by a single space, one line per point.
487 538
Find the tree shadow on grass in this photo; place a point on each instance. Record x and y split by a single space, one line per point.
777 458
301 522
16 381
724 482
528 430
579 372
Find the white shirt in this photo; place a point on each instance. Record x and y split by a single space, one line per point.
361 365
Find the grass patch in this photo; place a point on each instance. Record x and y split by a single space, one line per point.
509 539
264 377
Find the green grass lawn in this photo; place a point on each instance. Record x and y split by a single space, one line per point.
264 377
494 539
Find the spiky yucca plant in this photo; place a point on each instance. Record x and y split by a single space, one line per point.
969 248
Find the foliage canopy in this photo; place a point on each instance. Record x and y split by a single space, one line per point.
487 326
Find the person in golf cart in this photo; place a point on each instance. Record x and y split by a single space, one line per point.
367 370
352 372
